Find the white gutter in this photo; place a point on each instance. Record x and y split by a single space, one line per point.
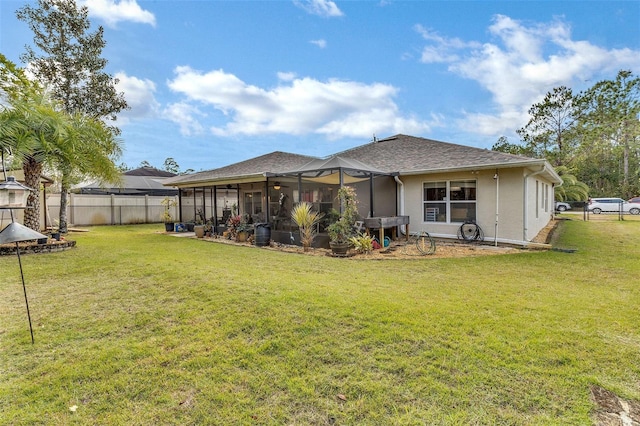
402 227
525 201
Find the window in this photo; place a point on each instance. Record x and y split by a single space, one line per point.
449 201
252 203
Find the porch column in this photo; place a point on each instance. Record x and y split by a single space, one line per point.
371 194
214 194
195 204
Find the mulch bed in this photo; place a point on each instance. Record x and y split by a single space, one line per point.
31 247
396 249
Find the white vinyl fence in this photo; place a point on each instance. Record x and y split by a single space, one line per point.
84 209
87 209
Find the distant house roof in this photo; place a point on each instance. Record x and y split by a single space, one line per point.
252 170
148 171
141 181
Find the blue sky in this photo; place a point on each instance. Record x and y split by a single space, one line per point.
215 82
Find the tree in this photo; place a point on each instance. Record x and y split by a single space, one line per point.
90 149
610 132
503 145
170 165
71 67
31 129
571 189
548 133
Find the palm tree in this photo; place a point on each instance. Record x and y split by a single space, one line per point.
32 130
36 131
571 189
90 152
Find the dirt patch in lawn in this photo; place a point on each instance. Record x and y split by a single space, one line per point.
613 410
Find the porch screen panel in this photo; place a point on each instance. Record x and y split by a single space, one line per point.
253 205
435 201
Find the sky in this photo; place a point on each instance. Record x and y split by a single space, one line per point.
211 83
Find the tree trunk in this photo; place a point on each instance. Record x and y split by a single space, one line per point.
64 197
32 172
62 225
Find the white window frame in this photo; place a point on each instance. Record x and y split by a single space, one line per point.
431 212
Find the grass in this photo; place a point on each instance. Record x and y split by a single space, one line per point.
136 327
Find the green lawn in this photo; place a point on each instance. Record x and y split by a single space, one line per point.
136 327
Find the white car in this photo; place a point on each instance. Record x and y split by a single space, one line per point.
562 206
599 205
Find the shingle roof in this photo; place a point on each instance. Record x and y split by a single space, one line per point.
410 154
274 162
401 154
148 171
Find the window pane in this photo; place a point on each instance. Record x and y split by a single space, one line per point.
435 191
435 212
461 212
463 190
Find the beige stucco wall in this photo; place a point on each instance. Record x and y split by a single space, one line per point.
508 189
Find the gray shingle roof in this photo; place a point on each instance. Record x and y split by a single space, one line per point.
410 154
274 162
397 154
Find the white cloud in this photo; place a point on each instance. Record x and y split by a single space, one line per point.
521 64
184 115
139 94
324 8
320 43
114 11
286 76
335 108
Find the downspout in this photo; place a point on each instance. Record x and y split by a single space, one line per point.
497 179
525 201
403 228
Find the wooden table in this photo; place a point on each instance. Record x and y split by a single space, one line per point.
383 222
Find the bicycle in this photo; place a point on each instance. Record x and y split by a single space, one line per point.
421 242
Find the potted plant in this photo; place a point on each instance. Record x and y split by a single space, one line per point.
307 221
232 223
362 243
242 231
343 229
208 228
167 217
199 229
238 228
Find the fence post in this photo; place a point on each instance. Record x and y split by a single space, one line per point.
113 212
146 208
72 208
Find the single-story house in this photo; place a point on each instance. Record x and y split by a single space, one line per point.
437 185
140 181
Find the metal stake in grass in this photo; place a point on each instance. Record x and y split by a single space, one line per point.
13 195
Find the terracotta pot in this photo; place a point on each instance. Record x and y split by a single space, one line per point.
199 230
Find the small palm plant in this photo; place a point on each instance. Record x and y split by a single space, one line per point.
307 220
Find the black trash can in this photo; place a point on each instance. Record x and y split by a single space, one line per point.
262 234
